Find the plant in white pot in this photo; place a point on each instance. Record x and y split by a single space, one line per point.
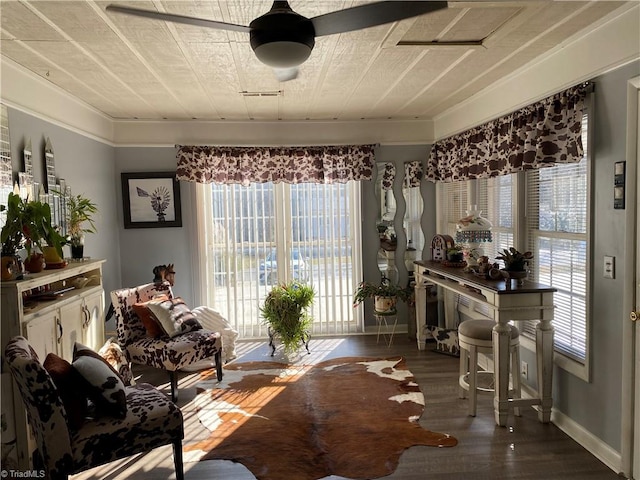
80 212
385 295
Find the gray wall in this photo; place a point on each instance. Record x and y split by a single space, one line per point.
596 405
88 168
398 155
144 248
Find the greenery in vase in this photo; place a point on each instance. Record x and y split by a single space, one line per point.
514 261
285 310
80 212
28 225
383 289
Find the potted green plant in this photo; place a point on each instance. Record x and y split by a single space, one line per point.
515 264
29 225
514 261
385 295
11 236
80 211
285 310
455 254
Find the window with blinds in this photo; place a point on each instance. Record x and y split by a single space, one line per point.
557 206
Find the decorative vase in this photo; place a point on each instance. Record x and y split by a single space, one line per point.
77 247
455 257
519 275
34 263
9 267
51 257
384 305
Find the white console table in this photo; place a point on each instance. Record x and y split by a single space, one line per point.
506 302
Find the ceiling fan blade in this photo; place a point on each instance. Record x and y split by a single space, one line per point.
170 17
286 74
371 15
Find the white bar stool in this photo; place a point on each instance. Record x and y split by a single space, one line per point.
475 336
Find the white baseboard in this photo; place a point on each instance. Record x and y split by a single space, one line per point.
594 445
603 452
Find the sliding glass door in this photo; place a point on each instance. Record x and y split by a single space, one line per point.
256 236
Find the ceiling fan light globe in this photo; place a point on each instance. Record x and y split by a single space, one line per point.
283 54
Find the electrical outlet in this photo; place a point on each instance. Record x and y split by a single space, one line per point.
524 369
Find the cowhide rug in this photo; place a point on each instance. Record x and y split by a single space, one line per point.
351 417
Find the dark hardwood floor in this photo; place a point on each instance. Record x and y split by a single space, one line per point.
525 449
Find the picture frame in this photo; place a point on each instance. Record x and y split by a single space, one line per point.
151 200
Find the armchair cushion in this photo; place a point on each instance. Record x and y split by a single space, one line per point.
176 352
174 316
105 387
150 322
151 420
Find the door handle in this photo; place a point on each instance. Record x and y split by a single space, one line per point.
634 316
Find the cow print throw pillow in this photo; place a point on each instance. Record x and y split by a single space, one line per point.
104 385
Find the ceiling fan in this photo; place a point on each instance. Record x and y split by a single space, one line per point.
283 39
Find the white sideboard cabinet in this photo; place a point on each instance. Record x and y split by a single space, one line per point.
53 310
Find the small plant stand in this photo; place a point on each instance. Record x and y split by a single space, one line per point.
386 318
273 335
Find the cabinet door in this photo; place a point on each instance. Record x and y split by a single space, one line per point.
71 318
43 333
93 321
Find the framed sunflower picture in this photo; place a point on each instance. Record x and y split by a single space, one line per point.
151 200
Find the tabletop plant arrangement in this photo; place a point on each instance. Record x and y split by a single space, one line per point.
28 225
286 312
385 295
515 264
80 212
514 261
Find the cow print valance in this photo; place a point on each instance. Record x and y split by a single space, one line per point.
539 135
412 174
245 165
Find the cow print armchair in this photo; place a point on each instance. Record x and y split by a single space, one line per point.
68 443
158 330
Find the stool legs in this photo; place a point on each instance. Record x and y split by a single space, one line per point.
464 369
468 378
473 380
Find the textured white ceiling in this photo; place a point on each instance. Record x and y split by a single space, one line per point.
136 68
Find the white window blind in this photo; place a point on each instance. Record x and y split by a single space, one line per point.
557 227
453 204
259 235
496 200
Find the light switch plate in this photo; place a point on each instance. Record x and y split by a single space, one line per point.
609 267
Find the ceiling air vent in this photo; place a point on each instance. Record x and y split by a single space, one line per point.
273 93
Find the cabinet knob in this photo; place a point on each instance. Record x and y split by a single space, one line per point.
634 316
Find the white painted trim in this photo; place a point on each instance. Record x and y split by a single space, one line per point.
23 90
272 133
603 452
630 420
612 44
